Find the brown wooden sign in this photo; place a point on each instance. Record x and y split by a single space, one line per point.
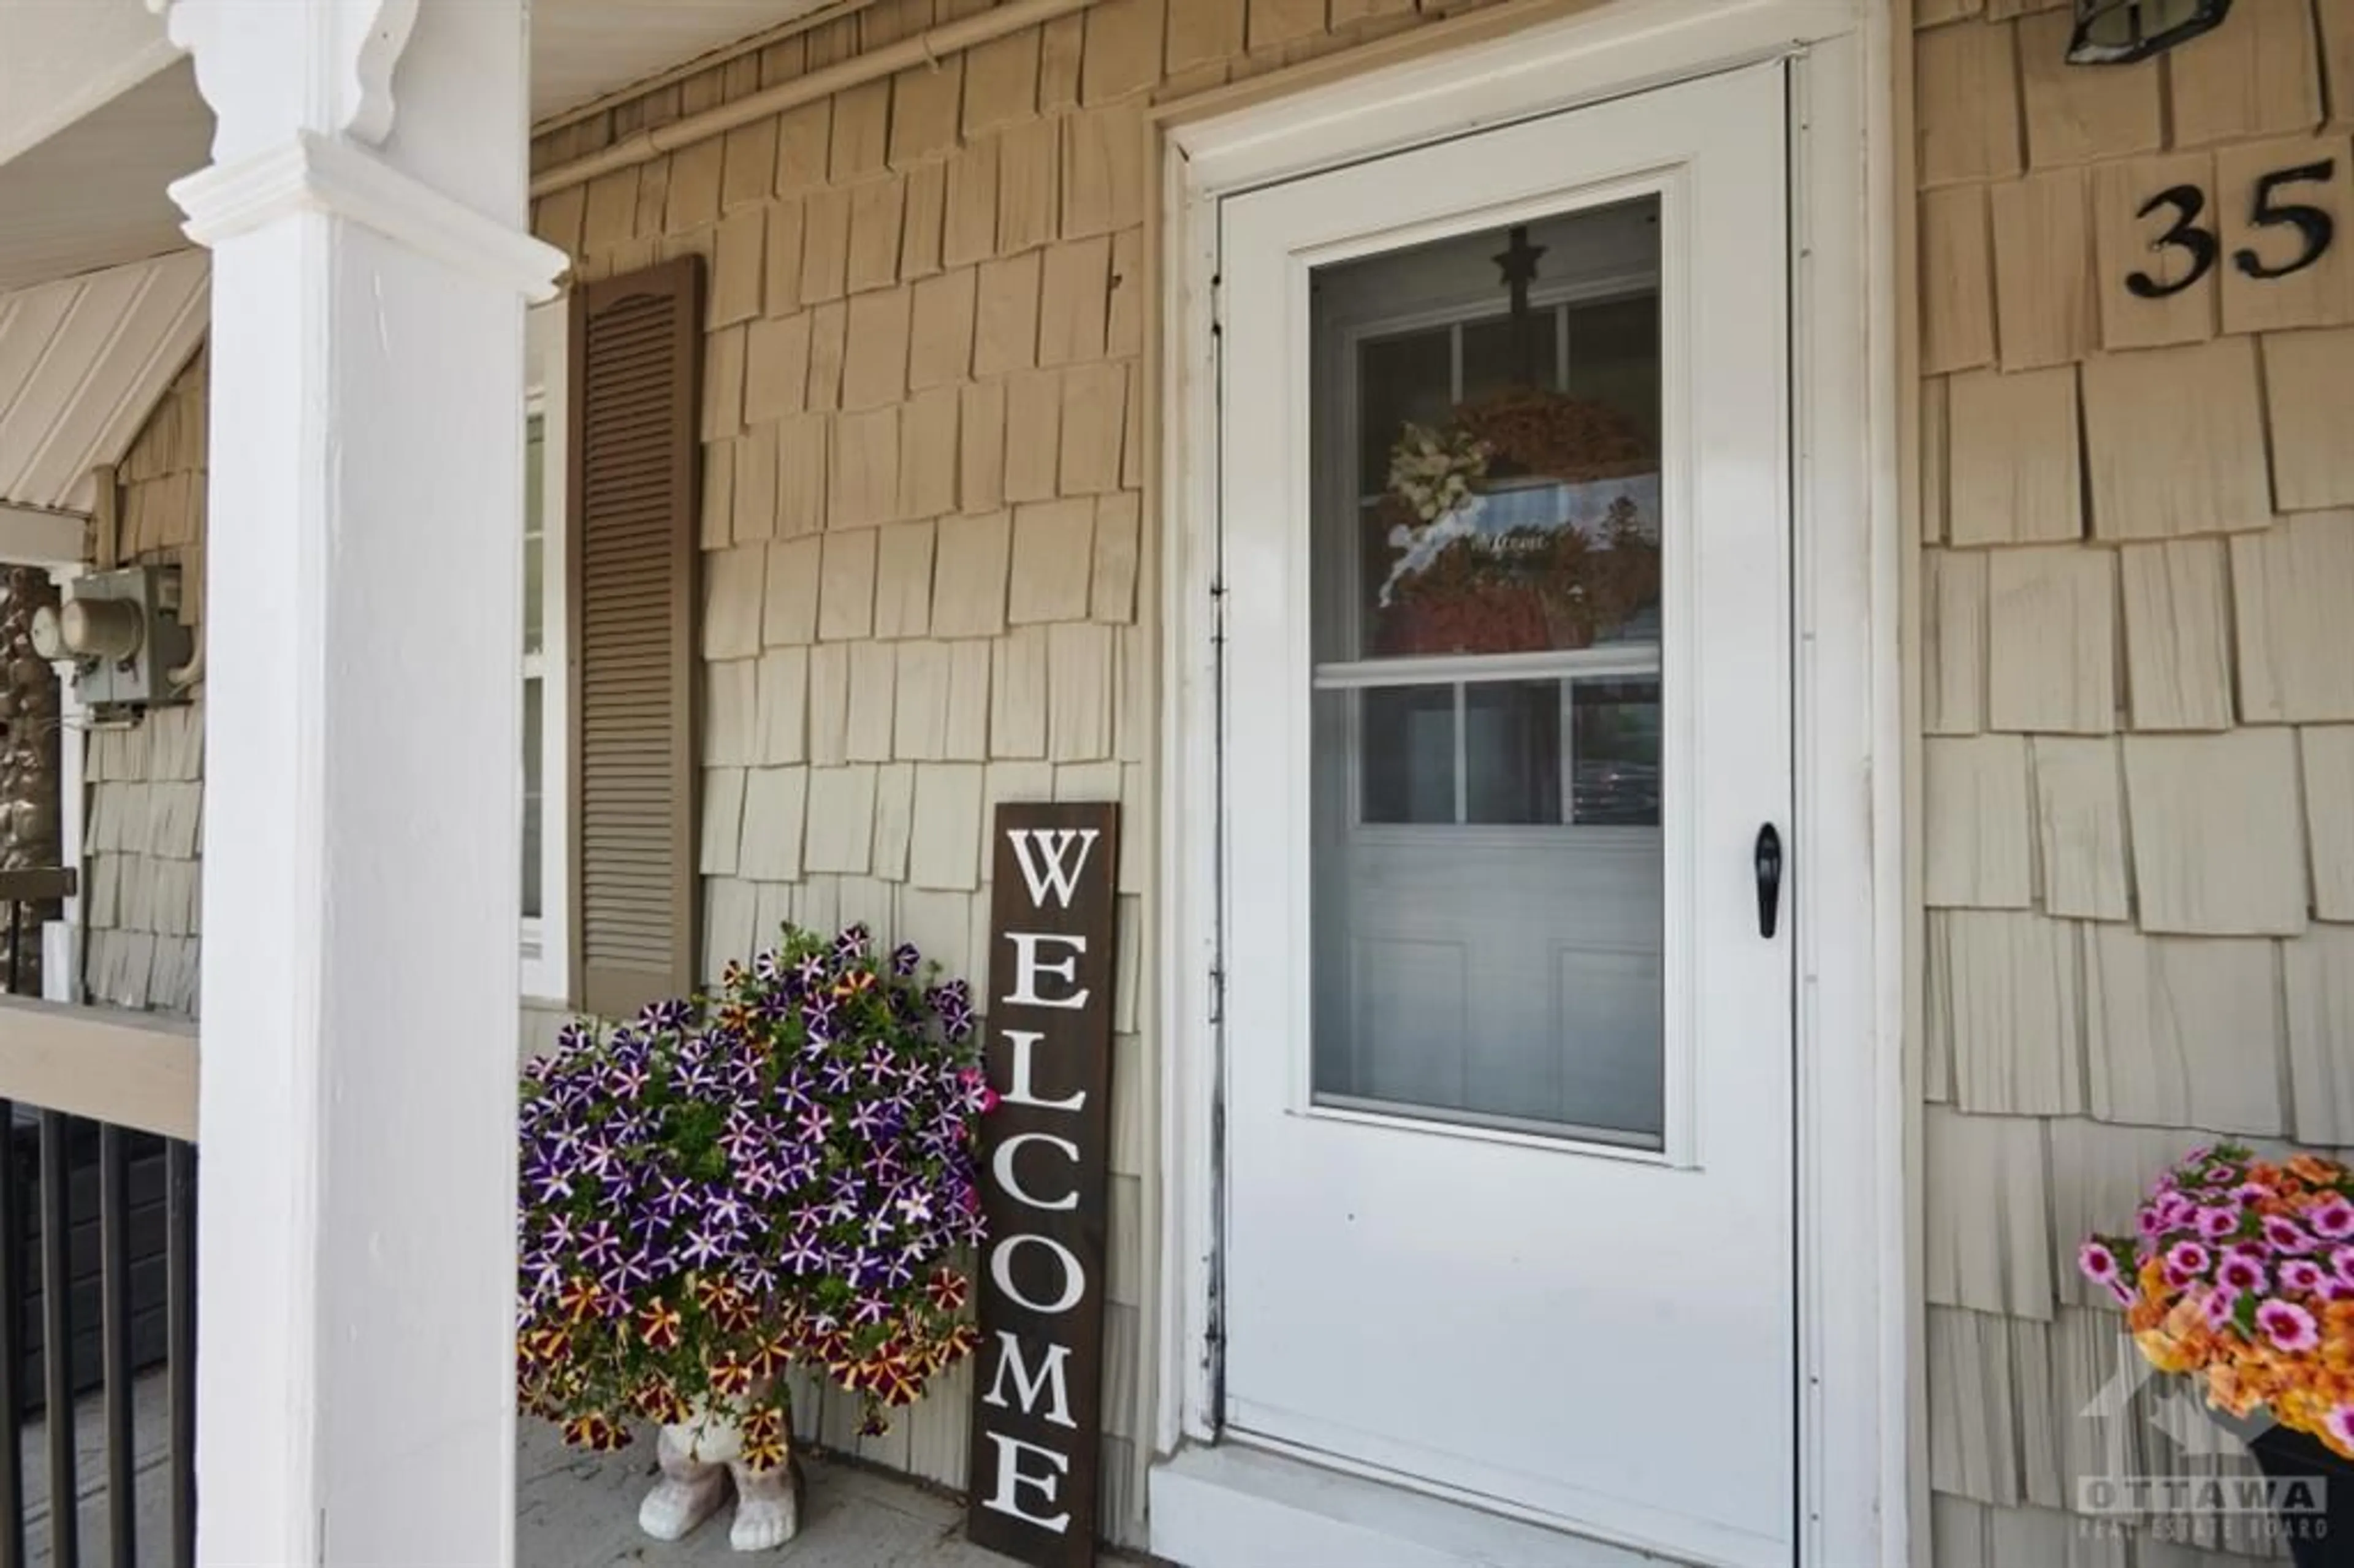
1045 1156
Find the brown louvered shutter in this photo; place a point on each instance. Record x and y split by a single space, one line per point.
635 367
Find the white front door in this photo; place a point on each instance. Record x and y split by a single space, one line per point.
1508 1052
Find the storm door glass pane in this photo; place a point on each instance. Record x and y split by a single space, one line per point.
1485 590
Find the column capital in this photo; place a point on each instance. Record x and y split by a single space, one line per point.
314 173
329 71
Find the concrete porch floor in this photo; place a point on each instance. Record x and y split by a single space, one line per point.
580 1510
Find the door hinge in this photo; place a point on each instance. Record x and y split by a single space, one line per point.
1217 308
1217 997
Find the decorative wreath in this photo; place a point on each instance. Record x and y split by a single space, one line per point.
1456 587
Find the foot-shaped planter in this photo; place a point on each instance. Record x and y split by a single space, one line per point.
697 1460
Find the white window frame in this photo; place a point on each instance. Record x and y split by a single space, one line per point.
547 939
1857 1287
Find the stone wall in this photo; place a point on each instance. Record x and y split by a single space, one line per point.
2137 530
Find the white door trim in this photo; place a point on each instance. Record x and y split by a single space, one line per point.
1854 1222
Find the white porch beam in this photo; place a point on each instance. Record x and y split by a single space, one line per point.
32 536
363 752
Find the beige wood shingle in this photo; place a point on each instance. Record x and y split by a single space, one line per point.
1029 184
1001 83
840 835
1135 706
781 728
2052 640
873 685
2165 462
2320 294
1111 595
775 801
2010 985
804 447
693 177
945 852
1957 281
1005 327
940 334
1075 298
1276 22
2217 840
804 137
730 907
829 345
1933 458
738 267
825 245
1978 853
1966 102
609 211
730 712
866 468
980 447
1131 441
919 241
2337 60
1974 1418
1033 420
862 131
2259 76
748 165
2309 386
2076 114
1103 179
925 102
1080 682
2080 825
1052 561
723 384
969 576
2178 635
939 924
895 813
877 212
920 713
2129 226
969 231
2328 754
790 615
966 738
829 704
1953 641
754 484
874 358
2182 1033
1124 329
716 528
1987 1238
721 811
776 370
733 581
2012 459
1017 693
555 217
1204 32
2046 301
1093 418
846 605
2317 969
903 580
2292 587
1123 48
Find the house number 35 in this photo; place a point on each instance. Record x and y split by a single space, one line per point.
2270 206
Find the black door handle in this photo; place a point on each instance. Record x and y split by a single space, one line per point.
1769 878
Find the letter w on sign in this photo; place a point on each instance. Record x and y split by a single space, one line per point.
1037 1413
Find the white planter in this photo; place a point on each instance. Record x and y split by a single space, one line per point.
699 1457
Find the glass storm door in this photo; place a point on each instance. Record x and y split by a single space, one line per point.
1504 491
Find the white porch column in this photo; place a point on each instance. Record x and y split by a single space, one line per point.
354 1370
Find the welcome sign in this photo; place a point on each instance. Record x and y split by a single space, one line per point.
1045 1153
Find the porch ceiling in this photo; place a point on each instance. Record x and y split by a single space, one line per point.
91 195
82 360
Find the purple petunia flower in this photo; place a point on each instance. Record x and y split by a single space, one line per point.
2332 1219
2286 1234
851 942
2237 1273
904 960
2301 1274
2289 1326
2217 1221
2221 1306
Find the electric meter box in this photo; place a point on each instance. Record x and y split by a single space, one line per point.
122 628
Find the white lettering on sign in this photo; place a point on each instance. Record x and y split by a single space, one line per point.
1053 845
1001 1165
1011 1478
1074 1278
1028 967
1029 1385
1018 1092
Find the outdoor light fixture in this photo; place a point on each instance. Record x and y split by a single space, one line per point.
2119 32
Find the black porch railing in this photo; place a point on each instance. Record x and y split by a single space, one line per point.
97 1298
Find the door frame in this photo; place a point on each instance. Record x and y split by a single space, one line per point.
1855 1353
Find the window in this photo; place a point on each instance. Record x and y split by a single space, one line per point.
546 692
